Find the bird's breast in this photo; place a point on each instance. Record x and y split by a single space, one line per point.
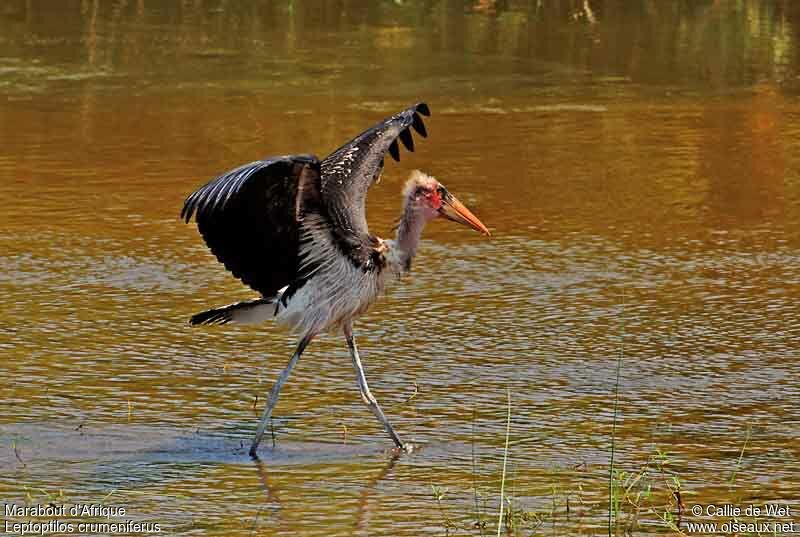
335 293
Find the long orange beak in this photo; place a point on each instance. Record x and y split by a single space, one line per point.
454 210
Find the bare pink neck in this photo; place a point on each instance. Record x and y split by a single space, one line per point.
409 233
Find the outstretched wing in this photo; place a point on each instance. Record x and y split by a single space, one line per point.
248 217
251 217
348 172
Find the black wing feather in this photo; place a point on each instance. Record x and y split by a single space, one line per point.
247 217
394 150
419 126
407 139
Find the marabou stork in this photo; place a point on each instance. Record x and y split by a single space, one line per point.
294 229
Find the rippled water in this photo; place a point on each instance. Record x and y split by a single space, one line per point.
637 165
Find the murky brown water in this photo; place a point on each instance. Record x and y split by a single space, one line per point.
638 164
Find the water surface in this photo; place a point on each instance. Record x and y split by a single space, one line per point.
638 167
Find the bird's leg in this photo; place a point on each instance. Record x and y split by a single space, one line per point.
363 387
273 394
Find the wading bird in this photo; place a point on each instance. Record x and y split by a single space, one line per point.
294 229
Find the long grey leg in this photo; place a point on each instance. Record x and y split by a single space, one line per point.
363 387
273 394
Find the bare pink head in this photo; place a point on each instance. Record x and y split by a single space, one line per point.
427 196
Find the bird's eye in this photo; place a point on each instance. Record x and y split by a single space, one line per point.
419 191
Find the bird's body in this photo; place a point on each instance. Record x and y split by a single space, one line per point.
335 289
294 229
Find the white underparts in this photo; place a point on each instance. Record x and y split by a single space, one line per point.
336 290
252 313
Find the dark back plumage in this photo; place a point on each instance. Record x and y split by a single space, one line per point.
250 216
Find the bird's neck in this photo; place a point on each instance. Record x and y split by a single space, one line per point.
404 247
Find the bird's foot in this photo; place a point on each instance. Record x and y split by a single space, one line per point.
405 447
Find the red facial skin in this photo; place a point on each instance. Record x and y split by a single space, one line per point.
434 199
430 201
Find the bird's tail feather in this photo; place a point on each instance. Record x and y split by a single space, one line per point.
247 312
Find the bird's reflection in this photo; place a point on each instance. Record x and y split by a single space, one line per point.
273 503
363 514
272 507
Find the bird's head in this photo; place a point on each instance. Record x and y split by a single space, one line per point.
427 196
